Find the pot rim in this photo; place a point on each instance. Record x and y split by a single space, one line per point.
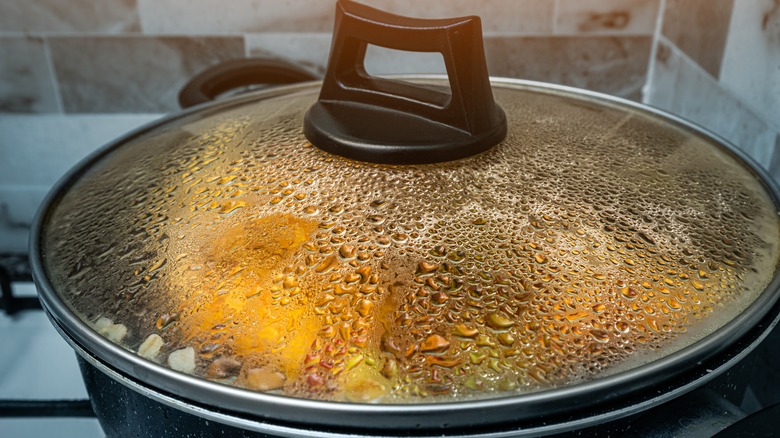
694 379
706 373
396 416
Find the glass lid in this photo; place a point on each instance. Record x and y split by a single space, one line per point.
596 237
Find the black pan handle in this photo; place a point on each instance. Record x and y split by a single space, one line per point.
238 73
388 121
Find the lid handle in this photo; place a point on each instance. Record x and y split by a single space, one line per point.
389 121
235 74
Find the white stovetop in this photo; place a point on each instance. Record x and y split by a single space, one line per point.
36 363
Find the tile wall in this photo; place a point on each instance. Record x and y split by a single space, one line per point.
129 56
75 74
717 63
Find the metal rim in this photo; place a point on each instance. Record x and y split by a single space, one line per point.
707 372
421 416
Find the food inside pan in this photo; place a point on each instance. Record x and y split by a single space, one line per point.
594 239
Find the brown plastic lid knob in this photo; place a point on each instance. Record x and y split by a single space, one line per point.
388 121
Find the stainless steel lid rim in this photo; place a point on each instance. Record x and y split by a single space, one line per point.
701 376
455 414
429 415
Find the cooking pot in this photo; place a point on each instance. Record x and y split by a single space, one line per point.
390 257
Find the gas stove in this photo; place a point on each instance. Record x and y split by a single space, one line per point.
41 390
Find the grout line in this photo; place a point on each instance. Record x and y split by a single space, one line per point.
659 21
53 76
60 34
93 35
600 34
729 31
581 35
556 11
507 34
153 35
141 27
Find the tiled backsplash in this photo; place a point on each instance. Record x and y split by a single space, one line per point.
134 57
717 63
75 74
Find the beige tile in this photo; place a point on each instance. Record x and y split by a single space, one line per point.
309 50
606 16
751 63
498 16
697 96
58 16
133 74
252 16
208 17
613 65
26 82
699 28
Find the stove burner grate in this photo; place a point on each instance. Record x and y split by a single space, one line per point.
15 268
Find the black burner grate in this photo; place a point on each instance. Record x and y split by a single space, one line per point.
15 268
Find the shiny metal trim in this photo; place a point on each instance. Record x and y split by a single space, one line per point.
706 373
